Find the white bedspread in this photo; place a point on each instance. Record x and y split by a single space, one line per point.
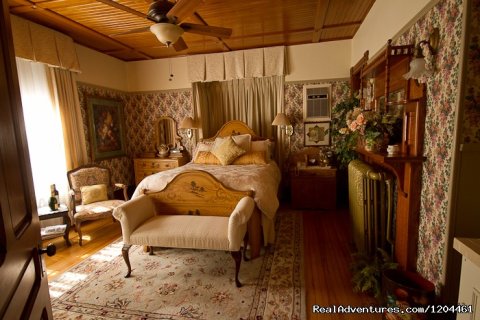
262 179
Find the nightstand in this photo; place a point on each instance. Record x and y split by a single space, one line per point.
44 213
313 187
146 166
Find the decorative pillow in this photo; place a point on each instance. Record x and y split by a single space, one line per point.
242 140
206 157
202 146
227 151
252 157
95 193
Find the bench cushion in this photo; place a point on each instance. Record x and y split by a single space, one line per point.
183 231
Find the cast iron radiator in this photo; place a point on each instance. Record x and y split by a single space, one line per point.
370 193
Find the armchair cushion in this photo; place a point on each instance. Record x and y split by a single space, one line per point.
96 209
95 193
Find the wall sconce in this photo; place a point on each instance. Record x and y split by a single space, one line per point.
188 125
282 121
418 66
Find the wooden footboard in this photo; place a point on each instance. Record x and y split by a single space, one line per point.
197 192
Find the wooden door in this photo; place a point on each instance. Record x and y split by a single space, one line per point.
23 282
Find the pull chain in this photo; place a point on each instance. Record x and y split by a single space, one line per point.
170 70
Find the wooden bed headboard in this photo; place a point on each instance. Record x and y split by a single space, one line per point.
233 128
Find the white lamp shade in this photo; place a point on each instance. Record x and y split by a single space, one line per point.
166 33
187 123
281 120
418 69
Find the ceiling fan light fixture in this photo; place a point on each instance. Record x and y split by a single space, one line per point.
166 33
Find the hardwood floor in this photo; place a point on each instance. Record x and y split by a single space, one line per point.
326 252
327 257
96 235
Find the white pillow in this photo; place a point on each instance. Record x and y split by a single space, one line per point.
264 145
241 140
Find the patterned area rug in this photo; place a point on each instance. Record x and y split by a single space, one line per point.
187 284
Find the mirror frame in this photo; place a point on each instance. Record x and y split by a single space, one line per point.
175 135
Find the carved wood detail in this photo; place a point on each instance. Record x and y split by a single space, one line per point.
387 70
196 192
234 127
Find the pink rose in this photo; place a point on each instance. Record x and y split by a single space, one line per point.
353 126
360 119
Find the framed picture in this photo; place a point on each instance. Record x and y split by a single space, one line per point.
317 134
105 117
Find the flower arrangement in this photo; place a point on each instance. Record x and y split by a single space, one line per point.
344 144
366 124
353 124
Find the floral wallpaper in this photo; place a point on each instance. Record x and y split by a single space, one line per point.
293 100
439 133
141 111
471 116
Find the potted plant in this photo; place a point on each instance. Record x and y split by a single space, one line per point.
367 271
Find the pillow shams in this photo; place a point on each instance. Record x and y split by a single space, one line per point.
264 145
202 146
252 157
206 157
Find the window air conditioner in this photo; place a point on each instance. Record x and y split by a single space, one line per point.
316 102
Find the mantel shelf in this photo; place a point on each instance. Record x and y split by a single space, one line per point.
395 163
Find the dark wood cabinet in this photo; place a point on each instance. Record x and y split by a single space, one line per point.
313 188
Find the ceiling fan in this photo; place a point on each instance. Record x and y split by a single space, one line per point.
169 25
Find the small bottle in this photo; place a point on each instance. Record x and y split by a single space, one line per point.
55 193
53 202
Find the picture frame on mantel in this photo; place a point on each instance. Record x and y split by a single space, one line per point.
317 134
106 127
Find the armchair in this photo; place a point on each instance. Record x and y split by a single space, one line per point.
91 195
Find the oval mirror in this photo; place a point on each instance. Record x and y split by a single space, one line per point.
166 132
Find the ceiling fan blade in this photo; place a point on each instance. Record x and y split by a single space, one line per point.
180 45
122 7
183 9
138 30
212 31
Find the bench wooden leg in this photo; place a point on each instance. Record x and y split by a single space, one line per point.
150 250
245 245
254 229
125 249
237 256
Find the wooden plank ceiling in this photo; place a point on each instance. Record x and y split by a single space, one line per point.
98 24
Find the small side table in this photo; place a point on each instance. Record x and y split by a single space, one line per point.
314 188
44 213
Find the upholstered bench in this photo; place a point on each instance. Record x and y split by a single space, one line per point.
193 211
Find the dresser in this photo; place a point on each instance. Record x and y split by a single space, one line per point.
146 166
313 187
